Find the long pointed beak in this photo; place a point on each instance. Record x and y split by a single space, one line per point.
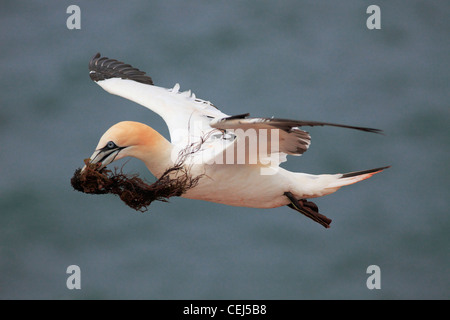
103 156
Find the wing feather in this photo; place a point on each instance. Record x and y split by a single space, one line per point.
186 116
291 139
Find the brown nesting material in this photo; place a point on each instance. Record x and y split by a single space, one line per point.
131 189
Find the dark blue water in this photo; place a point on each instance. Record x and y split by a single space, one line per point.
289 59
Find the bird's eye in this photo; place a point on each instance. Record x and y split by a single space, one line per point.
111 145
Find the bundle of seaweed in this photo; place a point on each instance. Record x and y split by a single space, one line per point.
131 189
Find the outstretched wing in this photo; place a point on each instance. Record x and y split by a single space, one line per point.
186 116
275 138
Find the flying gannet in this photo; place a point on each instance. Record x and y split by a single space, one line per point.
237 156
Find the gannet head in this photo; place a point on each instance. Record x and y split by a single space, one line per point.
129 139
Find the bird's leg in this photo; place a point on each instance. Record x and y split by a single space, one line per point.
308 209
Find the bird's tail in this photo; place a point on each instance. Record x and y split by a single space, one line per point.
321 185
352 177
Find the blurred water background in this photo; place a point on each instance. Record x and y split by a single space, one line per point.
310 60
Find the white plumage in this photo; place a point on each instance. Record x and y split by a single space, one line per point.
237 170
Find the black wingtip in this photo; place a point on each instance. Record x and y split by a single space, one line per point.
102 68
370 130
238 116
358 173
365 129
